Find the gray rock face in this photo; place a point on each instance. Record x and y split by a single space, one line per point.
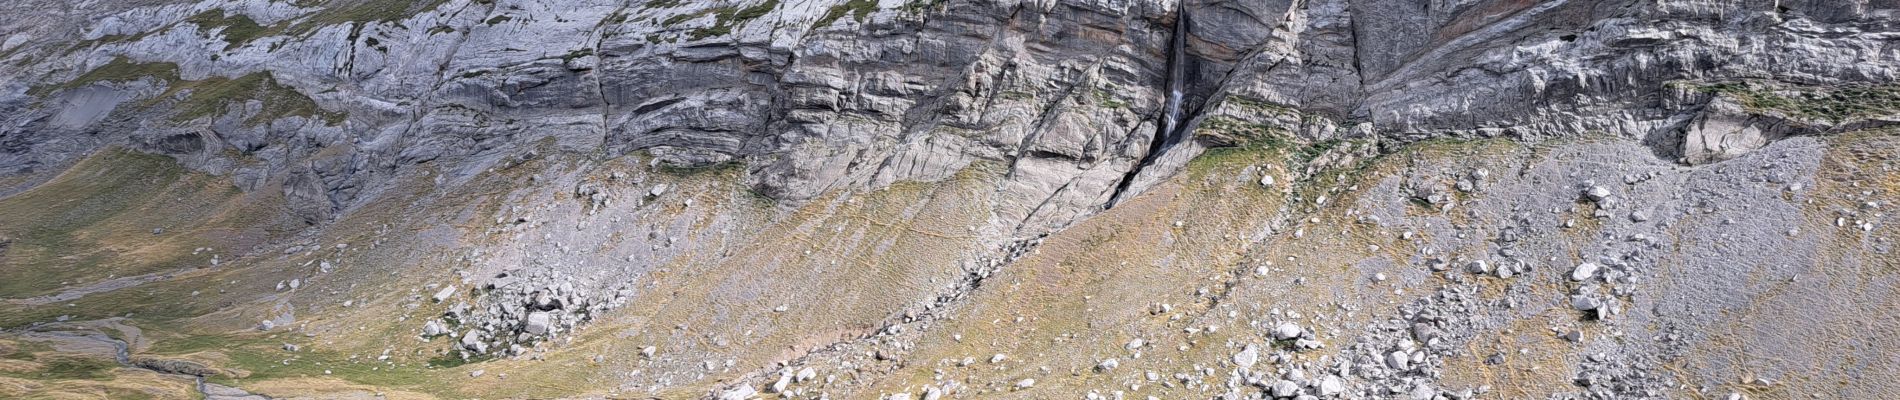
814 96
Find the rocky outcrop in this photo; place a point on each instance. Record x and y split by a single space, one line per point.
817 96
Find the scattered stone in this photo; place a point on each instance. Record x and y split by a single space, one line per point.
1285 388
1331 385
1107 365
1478 267
784 382
538 323
1584 271
472 341
1585 302
1247 357
1597 193
1287 330
742 392
444 294
1399 360
434 328
1025 383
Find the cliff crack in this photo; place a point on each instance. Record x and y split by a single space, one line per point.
1173 126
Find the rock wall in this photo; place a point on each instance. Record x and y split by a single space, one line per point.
815 96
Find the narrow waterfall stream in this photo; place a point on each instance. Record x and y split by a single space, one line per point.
1173 118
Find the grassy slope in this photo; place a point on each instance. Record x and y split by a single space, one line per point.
96 220
1082 295
1088 291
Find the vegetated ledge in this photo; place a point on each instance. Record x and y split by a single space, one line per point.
1830 104
120 69
206 97
237 29
209 97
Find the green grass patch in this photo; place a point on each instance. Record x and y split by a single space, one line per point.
677 19
454 359
215 95
22 351
120 69
338 12
727 18
617 18
205 97
921 6
1256 105
76 368
265 361
1105 98
56 366
237 29
50 224
1834 104
577 54
857 9
1244 132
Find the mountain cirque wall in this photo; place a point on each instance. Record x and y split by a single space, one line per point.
332 98
1560 194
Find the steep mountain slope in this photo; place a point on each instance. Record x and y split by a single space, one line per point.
963 199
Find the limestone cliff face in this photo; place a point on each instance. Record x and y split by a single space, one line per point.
816 96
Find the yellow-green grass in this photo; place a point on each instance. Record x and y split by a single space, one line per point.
34 370
96 220
1087 291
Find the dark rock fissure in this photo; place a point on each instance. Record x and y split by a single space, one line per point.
1174 120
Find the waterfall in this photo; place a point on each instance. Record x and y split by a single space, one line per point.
1171 131
1173 118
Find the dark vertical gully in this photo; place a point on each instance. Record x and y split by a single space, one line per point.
1173 127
